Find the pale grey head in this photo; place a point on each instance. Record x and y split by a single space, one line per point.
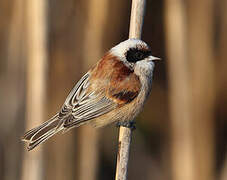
136 54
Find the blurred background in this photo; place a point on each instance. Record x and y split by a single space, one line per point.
47 45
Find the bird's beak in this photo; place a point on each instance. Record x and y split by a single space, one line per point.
153 58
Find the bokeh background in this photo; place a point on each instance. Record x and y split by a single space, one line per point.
47 45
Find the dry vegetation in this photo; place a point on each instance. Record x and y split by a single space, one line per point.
182 132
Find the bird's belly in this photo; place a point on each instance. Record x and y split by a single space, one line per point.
127 112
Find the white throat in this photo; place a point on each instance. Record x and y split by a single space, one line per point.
144 69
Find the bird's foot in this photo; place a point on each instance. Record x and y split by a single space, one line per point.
128 124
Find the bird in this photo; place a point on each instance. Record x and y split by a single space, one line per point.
114 90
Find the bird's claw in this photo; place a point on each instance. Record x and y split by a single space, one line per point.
128 124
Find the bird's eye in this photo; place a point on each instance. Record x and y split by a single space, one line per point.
134 55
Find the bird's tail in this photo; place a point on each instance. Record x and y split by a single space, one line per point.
40 134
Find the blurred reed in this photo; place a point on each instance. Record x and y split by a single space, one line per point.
36 56
200 38
92 50
12 92
179 93
64 71
192 90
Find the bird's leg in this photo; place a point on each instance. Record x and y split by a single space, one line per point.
128 124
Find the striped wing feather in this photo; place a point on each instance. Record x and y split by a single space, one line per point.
109 85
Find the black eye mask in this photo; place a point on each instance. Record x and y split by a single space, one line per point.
133 55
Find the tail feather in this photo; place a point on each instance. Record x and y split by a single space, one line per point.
40 134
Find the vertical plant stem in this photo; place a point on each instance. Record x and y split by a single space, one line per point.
12 84
93 34
36 71
201 54
125 134
182 151
192 89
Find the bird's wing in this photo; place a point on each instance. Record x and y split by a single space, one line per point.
107 86
83 104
